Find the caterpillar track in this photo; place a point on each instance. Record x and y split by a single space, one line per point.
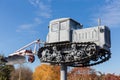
73 54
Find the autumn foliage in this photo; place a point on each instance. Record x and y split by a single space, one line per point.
47 72
82 74
90 74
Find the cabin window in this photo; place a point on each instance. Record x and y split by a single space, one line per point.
63 25
55 27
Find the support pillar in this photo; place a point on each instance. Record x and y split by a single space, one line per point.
63 72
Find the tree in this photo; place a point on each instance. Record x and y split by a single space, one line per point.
90 74
111 77
46 72
22 73
82 74
5 70
1 60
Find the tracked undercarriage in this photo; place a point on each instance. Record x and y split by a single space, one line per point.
73 54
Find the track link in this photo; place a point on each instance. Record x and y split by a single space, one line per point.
73 54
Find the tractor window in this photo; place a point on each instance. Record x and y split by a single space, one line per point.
63 25
54 27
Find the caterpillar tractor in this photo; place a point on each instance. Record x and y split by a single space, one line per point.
67 42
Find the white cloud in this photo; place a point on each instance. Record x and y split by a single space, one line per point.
44 14
30 27
37 20
109 13
43 7
43 11
25 28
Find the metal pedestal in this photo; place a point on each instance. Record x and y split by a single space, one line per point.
63 72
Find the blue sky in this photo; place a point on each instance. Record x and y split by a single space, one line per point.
22 21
